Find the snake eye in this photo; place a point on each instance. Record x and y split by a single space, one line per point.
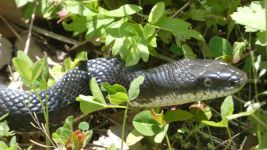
208 82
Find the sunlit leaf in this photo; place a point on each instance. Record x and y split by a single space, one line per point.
133 137
156 12
144 123
134 87
97 93
125 10
89 104
252 16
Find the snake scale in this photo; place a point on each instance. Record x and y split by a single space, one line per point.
173 83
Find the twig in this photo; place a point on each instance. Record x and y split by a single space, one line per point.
39 144
27 44
181 9
54 36
11 28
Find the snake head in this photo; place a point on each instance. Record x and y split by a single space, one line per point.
215 78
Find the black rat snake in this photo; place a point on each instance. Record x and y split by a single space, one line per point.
174 83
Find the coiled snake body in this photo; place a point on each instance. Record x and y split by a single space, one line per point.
174 83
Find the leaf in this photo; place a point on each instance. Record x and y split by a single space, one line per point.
217 6
4 130
156 12
132 58
144 123
227 107
125 10
134 87
174 25
62 134
95 24
133 137
252 16
81 56
112 89
200 112
78 24
38 67
261 38
143 51
149 31
220 47
83 126
238 49
79 8
158 117
97 93
188 53
179 28
161 135
177 115
118 98
23 68
223 123
89 104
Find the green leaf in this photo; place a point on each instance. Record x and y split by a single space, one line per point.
156 12
97 93
143 51
89 104
125 10
78 24
220 46
112 147
118 98
227 107
78 8
23 68
177 115
217 6
132 58
261 38
149 31
134 87
84 126
161 135
188 52
200 112
158 117
144 123
174 25
238 49
38 67
222 124
133 137
4 130
95 24
252 16
62 134
112 89
179 28
81 56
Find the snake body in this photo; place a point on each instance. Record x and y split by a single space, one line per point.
173 83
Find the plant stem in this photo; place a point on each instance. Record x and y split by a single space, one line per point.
230 137
124 125
168 142
265 6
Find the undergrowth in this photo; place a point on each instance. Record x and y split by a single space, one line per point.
231 31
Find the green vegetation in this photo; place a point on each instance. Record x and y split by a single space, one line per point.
230 30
